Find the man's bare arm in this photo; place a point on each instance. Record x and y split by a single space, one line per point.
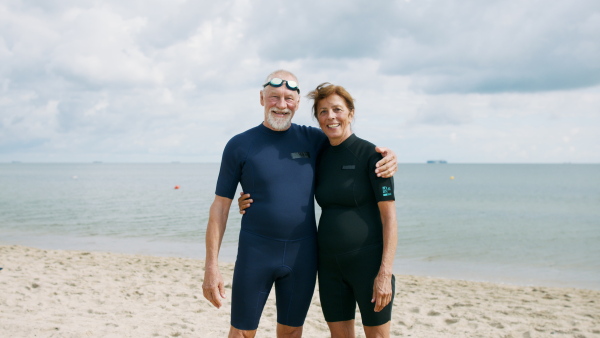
212 287
387 166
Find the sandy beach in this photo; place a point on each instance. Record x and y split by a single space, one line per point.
55 293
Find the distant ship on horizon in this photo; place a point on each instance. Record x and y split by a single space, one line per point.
437 162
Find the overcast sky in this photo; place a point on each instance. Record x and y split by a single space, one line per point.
511 81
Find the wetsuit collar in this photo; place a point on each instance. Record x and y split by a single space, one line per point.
266 130
347 143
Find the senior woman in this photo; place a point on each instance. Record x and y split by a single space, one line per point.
357 232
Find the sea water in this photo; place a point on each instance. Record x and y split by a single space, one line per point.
525 224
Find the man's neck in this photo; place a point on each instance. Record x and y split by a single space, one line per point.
266 124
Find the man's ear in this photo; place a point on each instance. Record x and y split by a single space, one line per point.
262 99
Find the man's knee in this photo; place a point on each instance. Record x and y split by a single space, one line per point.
236 333
288 331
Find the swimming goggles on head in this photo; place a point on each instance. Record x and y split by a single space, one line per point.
277 82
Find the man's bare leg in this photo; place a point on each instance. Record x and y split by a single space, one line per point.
235 333
284 331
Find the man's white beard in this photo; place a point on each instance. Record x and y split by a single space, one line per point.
280 123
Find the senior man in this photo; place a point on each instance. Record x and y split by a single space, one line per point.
275 162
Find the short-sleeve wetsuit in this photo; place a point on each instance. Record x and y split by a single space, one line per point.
277 242
350 234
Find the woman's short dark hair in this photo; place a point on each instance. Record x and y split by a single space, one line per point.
327 89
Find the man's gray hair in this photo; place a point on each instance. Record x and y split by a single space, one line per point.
281 71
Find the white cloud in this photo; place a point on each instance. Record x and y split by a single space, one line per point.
467 81
499 46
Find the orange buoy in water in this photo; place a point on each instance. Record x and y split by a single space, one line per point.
176 187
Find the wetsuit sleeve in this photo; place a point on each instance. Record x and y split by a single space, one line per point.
382 187
318 138
322 141
230 173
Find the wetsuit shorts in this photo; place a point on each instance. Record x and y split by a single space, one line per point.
346 279
262 261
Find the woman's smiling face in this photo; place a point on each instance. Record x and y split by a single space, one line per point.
335 118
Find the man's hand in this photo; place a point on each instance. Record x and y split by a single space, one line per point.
388 165
244 202
212 287
382 291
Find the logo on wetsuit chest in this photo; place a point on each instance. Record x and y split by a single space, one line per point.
348 167
387 191
301 154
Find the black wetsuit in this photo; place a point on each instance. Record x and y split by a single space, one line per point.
350 233
278 234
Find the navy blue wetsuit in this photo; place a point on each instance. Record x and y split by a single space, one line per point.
278 234
350 230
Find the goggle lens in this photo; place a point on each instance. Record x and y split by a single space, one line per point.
277 82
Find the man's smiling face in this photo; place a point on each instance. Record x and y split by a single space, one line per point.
280 104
